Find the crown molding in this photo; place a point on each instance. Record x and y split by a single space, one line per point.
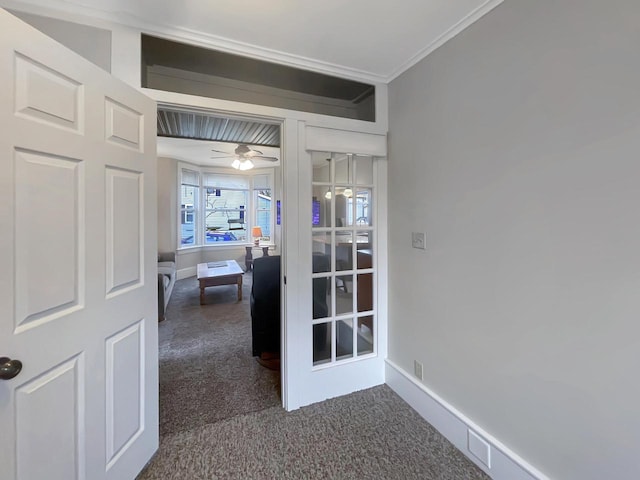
203 39
68 11
454 30
65 10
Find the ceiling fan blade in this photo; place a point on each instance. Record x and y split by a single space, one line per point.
253 153
268 159
224 156
220 151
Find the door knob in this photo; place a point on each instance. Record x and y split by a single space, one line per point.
9 368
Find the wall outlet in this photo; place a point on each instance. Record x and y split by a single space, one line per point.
418 240
417 369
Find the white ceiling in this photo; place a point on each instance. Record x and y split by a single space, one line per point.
372 40
199 152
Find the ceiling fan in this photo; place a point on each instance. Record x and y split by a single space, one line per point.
243 156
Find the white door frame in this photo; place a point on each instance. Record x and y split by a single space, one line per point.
340 133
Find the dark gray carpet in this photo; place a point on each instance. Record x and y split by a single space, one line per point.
207 372
221 416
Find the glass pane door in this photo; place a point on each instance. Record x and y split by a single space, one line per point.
343 260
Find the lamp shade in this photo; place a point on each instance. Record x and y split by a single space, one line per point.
246 165
256 231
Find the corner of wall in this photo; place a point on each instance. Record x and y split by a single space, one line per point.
488 453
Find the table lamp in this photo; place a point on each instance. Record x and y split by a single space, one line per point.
256 232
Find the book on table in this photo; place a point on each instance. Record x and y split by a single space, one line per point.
216 264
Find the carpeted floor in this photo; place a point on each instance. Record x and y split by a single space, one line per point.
220 413
207 372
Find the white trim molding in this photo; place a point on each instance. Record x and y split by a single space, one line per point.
186 273
448 34
483 449
333 140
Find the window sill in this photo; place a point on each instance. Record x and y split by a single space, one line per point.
262 245
185 250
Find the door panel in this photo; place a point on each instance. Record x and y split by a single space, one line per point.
48 235
125 387
47 95
124 125
78 295
51 403
124 230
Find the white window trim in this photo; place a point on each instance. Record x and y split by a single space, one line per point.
250 210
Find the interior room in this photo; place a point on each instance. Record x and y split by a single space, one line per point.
442 192
226 174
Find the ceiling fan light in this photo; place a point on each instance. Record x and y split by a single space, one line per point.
348 192
236 164
328 195
246 165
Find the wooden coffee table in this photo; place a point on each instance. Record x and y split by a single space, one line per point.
226 272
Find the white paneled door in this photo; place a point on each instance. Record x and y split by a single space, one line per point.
78 255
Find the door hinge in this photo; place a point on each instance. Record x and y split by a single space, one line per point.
285 279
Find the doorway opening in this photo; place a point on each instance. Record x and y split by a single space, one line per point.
219 194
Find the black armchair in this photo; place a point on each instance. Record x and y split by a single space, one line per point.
265 306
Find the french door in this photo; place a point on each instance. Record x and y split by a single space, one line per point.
335 264
343 253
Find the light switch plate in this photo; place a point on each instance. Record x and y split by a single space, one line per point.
418 240
417 369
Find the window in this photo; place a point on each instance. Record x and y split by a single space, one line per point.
218 207
263 204
189 193
362 208
226 200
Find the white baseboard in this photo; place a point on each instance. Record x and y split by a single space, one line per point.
186 273
487 452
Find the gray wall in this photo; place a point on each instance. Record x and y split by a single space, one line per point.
515 147
167 204
92 43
